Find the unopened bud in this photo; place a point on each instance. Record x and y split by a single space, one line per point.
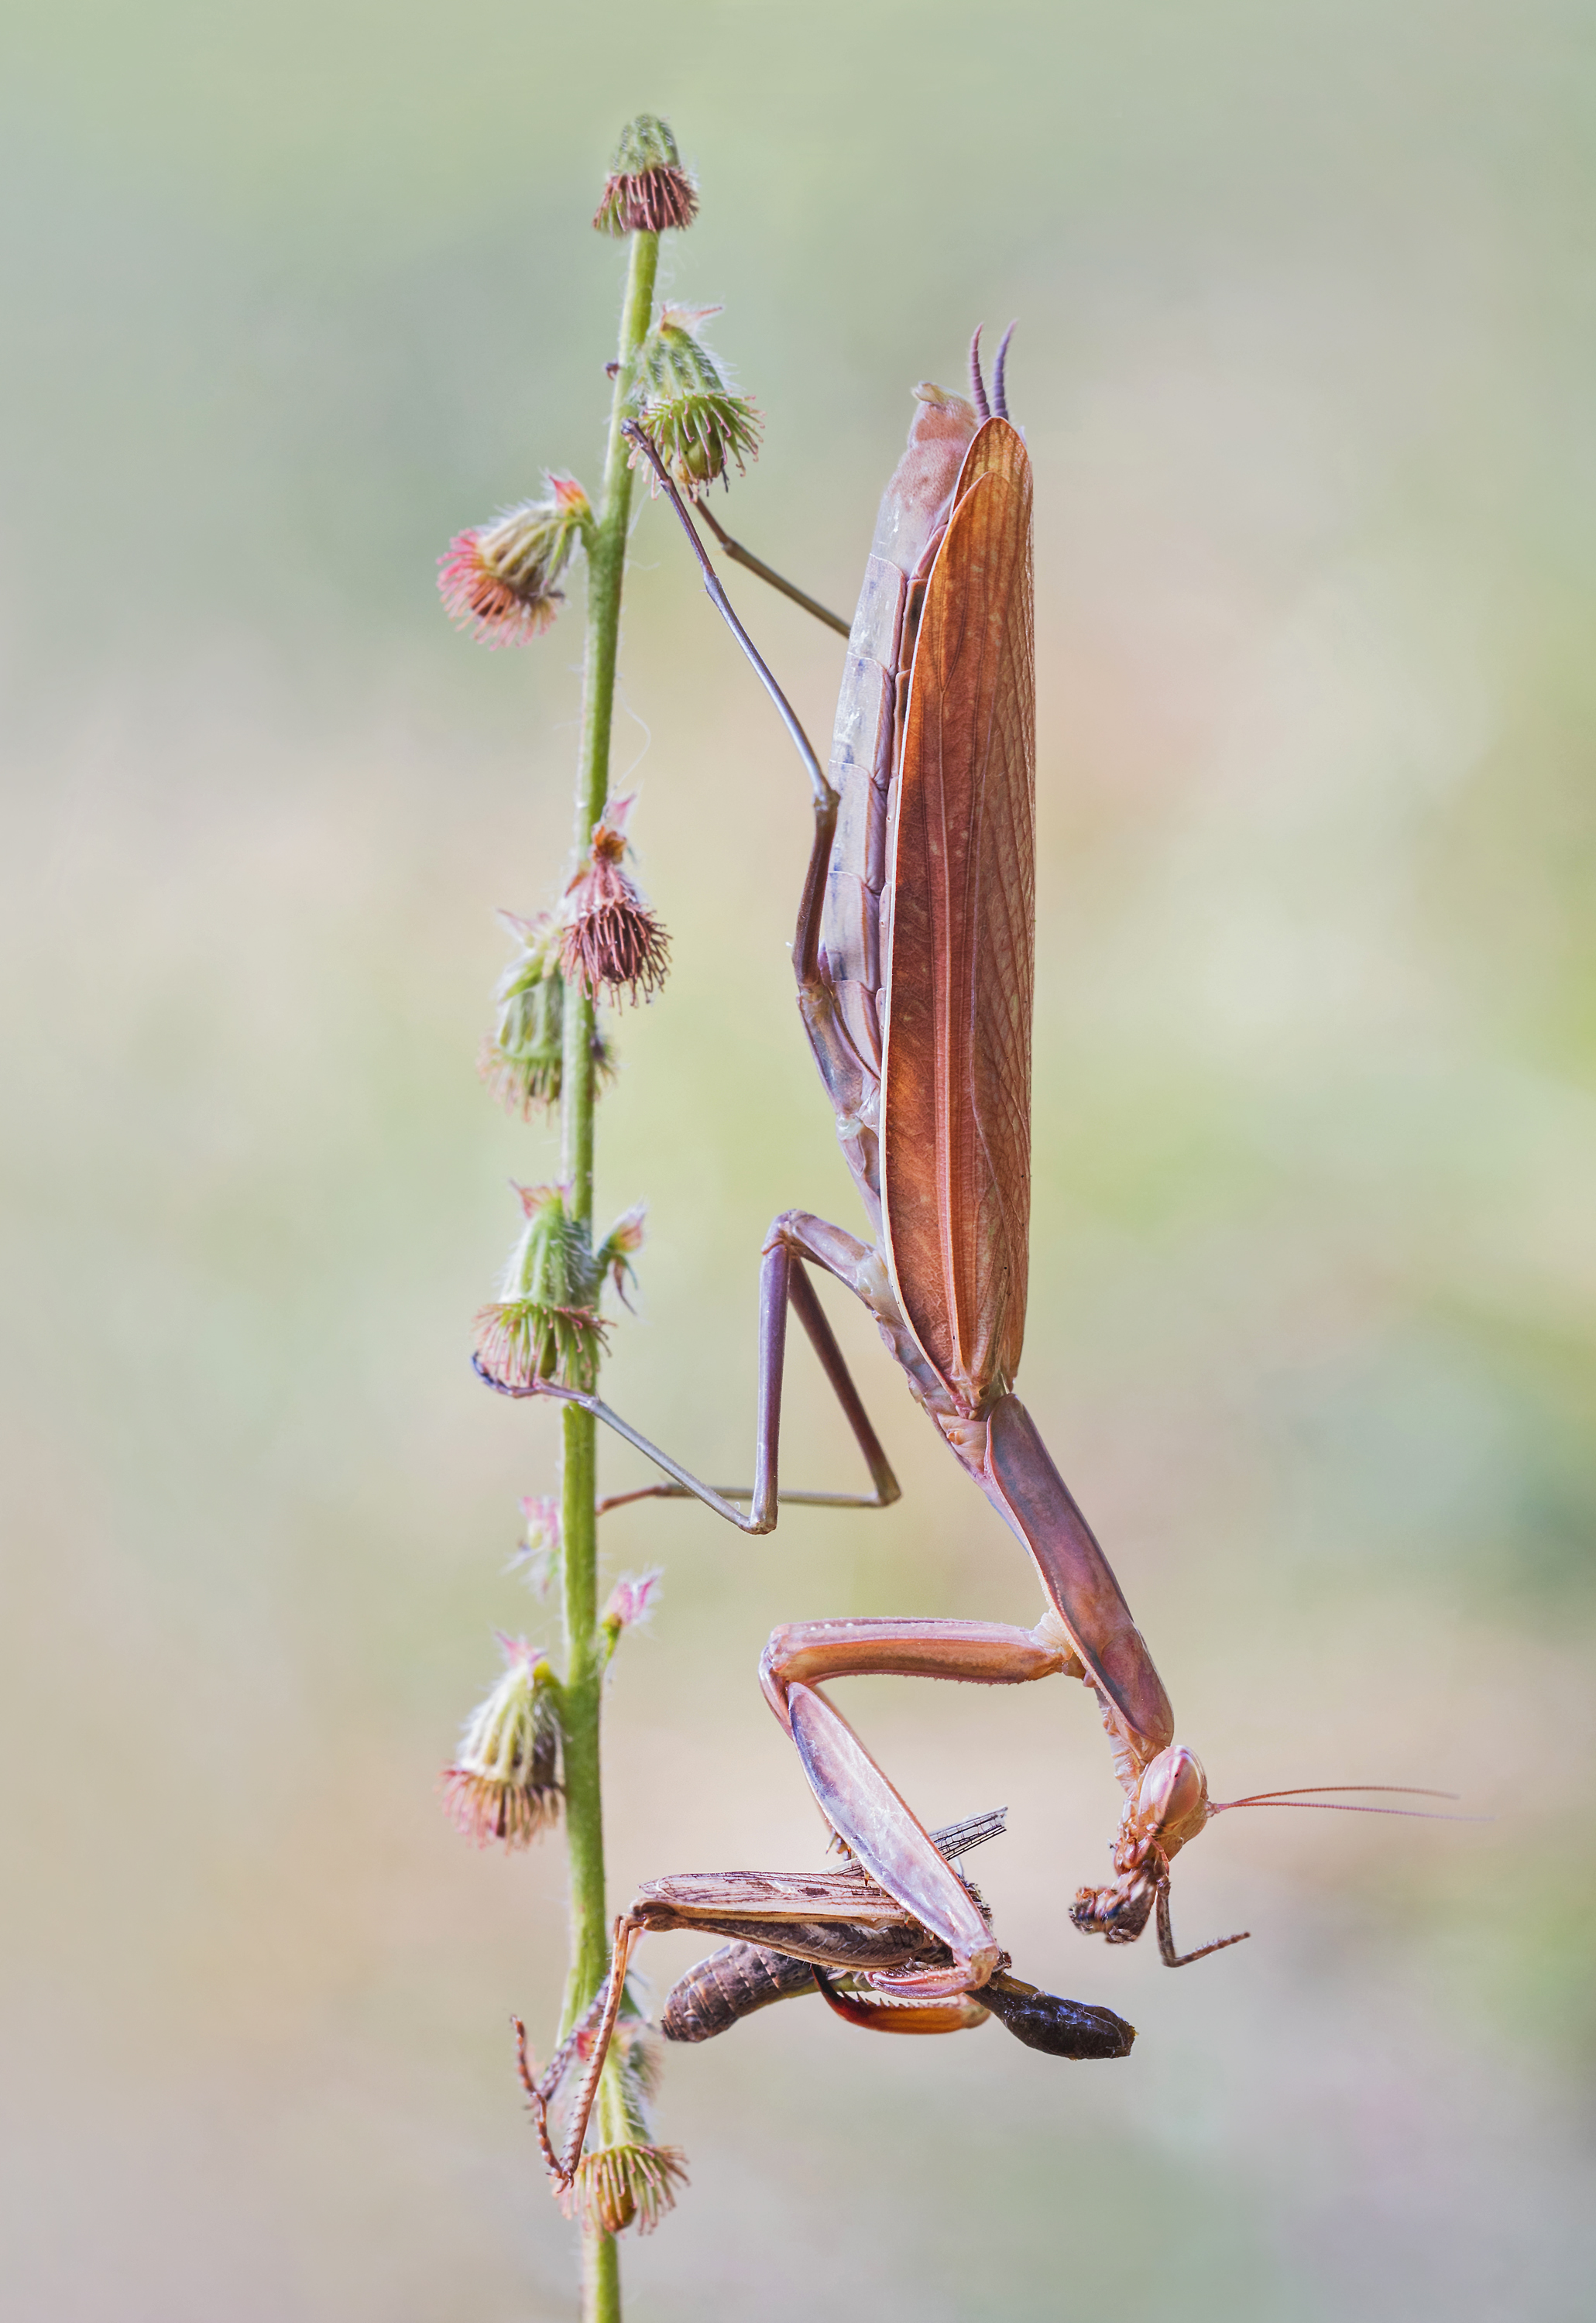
545 1326
622 2186
647 191
696 421
505 1785
499 578
610 941
522 1059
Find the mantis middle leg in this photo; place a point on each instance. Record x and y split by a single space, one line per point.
795 1241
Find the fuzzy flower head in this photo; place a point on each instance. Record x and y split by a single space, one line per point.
697 422
622 2186
499 578
610 941
522 1059
647 190
537 1553
545 1323
504 1784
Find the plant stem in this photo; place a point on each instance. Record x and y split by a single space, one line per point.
584 1656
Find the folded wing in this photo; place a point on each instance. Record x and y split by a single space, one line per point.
955 1097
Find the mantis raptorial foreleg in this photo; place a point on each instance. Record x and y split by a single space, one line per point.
862 1806
881 1828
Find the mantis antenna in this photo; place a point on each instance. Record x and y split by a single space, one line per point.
1294 1797
977 384
1000 402
998 407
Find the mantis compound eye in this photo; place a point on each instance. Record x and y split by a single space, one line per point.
1173 1797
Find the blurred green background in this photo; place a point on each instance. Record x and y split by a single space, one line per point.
1306 358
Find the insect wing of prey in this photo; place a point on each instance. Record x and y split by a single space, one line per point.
959 937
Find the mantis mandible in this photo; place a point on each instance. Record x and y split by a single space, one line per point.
913 958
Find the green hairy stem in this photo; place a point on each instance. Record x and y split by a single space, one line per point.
544 1332
585 1651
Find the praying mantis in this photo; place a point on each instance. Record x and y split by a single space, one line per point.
914 960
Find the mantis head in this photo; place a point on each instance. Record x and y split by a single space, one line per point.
1170 1806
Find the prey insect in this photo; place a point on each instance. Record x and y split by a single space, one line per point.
744 1977
913 958
799 1931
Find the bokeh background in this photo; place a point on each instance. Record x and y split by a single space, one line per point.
1305 360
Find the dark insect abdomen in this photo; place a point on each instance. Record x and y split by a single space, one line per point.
1058 2027
731 1984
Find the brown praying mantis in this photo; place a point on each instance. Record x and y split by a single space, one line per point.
913 958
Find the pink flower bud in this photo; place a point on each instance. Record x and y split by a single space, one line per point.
647 191
633 1599
611 941
499 578
536 1556
505 1785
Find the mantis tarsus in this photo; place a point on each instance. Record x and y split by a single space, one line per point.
914 960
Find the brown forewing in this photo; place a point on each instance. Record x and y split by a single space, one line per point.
846 1893
956 1098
